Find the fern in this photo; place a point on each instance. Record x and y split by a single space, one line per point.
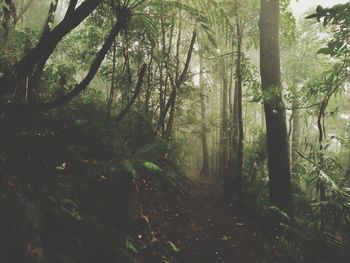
152 167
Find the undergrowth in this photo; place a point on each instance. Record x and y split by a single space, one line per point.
302 238
70 185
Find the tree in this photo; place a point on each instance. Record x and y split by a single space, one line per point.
32 64
333 80
276 129
203 100
238 108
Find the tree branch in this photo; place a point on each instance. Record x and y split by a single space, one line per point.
183 74
182 77
71 8
137 91
46 45
92 71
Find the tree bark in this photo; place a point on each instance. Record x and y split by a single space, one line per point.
276 129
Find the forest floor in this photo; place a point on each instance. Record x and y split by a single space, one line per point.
202 228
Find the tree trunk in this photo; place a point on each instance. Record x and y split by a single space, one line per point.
214 151
276 129
295 136
234 186
112 88
171 121
45 47
321 135
149 89
238 178
205 167
224 131
176 84
137 91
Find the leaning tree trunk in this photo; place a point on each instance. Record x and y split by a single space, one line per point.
46 46
276 129
34 80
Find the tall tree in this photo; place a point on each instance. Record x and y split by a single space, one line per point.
238 117
205 168
276 129
224 140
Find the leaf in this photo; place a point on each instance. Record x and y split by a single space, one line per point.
311 16
71 208
130 246
173 246
319 10
151 166
324 51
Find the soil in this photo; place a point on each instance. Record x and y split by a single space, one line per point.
201 227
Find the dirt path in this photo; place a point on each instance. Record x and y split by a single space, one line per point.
203 228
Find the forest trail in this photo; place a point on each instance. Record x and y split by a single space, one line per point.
202 228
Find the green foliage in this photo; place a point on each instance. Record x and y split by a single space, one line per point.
151 166
66 206
173 246
19 40
287 25
130 246
256 177
71 179
338 18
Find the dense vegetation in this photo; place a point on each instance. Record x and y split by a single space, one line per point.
111 109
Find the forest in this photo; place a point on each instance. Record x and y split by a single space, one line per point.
174 131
